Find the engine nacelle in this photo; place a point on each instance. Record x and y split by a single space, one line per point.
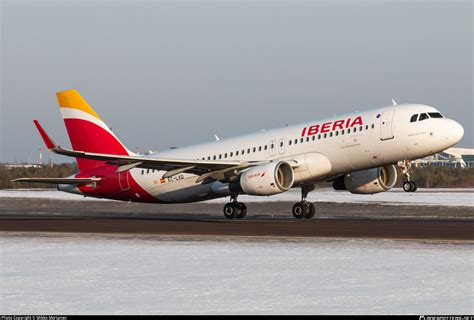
263 180
368 181
267 179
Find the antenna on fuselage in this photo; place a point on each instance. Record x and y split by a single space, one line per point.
394 102
217 138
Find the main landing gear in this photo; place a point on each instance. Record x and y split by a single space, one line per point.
304 209
408 185
235 209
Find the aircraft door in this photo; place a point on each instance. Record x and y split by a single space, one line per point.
386 123
272 147
124 182
281 146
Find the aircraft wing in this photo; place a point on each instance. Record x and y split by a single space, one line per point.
218 170
74 181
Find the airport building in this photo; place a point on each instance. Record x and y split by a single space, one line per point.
451 158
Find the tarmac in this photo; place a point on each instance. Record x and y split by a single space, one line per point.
264 219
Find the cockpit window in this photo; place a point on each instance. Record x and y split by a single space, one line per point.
413 118
435 115
423 116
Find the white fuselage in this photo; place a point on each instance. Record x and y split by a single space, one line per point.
351 142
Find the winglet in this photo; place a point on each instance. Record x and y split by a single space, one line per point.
50 144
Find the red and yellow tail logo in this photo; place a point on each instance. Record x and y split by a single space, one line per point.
87 132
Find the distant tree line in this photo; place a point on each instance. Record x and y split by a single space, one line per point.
7 174
426 177
442 177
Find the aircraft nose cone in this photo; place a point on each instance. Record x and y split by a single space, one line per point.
456 132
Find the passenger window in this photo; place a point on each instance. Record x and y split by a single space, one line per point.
367 127
373 125
147 171
423 116
237 152
260 148
254 149
337 133
325 135
289 142
143 171
209 158
296 141
330 134
319 136
214 158
248 150
272 146
314 138
342 132
361 128
220 156
265 147
231 154
349 130
413 118
307 139
301 140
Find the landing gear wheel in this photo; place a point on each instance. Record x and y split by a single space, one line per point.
243 210
410 186
231 210
311 211
407 186
300 210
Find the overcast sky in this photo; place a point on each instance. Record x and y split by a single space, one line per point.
168 73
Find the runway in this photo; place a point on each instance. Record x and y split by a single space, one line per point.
339 228
265 219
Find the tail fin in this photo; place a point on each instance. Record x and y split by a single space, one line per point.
86 130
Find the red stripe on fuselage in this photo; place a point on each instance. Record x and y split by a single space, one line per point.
110 187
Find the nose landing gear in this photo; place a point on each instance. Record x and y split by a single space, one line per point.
304 209
408 185
235 209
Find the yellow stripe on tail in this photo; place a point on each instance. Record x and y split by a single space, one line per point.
72 99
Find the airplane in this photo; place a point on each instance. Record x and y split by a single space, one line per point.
357 152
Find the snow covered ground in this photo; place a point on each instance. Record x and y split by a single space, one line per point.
57 274
435 197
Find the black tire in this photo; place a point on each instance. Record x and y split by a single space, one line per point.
311 211
407 186
243 211
414 186
300 210
231 210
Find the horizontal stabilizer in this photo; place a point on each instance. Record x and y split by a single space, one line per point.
74 181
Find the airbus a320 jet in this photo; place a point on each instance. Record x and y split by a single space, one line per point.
357 152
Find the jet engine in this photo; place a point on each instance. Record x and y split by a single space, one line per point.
263 180
368 181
